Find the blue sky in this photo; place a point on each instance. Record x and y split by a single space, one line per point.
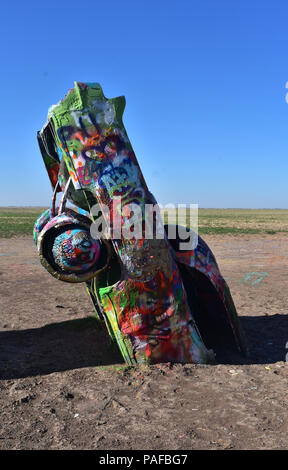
205 88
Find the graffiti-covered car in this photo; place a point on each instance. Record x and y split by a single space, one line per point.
160 302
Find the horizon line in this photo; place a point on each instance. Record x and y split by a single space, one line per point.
206 208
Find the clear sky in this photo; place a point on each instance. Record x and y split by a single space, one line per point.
205 87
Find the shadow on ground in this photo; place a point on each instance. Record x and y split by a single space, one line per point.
266 337
84 343
56 347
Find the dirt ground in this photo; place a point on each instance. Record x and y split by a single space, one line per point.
62 385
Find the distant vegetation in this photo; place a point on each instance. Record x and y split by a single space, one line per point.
20 221
238 221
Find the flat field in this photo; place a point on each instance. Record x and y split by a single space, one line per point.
63 386
20 221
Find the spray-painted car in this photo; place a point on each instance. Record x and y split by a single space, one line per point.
160 303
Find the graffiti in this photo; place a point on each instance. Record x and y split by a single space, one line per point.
258 277
120 177
74 250
133 278
83 175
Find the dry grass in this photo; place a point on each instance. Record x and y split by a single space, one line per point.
237 221
20 221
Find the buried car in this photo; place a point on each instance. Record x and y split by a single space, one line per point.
161 299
